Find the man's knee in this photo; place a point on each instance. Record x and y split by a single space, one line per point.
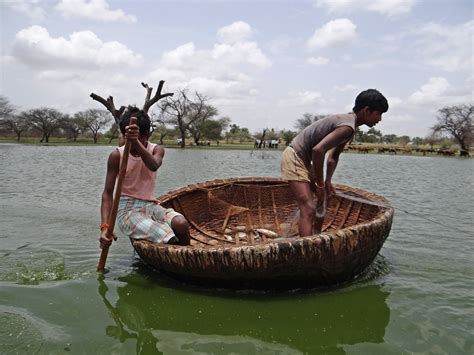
181 228
308 208
179 224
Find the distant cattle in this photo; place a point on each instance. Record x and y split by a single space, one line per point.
425 151
464 153
359 149
446 152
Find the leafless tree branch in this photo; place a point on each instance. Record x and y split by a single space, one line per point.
149 102
110 106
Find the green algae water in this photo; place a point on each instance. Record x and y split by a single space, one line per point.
417 296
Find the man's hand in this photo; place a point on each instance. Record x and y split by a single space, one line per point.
104 240
320 209
330 190
132 133
320 202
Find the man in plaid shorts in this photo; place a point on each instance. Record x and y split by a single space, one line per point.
140 216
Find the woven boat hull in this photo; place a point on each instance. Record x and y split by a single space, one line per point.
218 211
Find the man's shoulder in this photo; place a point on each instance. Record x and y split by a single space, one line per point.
349 115
114 156
157 148
344 119
115 152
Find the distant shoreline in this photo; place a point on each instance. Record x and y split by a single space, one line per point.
359 148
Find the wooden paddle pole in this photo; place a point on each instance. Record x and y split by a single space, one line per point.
118 192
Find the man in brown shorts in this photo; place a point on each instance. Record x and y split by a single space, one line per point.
302 162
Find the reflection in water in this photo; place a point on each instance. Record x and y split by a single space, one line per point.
134 327
158 314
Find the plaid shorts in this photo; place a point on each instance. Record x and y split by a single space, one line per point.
139 219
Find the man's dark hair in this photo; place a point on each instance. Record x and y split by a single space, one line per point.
372 98
143 120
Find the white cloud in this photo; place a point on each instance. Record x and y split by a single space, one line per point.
72 89
401 118
385 7
302 98
30 8
318 61
235 32
394 102
7 59
92 9
35 47
348 87
180 58
280 44
438 92
224 72
447 47
334 33
430 92
241 52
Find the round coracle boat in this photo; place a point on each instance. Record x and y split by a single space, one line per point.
244 234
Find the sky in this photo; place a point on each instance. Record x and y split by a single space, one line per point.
262 63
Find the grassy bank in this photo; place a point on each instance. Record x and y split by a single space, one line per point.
364 148
105 142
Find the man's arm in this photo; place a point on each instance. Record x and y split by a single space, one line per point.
335 139
333 159
113 165
151 160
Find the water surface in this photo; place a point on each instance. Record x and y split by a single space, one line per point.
416 298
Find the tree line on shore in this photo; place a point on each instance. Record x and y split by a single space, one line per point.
188 115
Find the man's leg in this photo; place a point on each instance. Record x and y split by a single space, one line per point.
168 222
303 196
181 229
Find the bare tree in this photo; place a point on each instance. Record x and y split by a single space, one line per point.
183 111
94 121
73 126
457 122
113 132
45 120
149 101
163 131
432 139
9 120
6 108
17 124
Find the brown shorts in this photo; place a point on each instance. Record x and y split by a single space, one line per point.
292 166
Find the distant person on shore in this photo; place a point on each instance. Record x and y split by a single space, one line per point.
302 162
140 216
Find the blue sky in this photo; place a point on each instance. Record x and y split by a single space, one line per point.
261 63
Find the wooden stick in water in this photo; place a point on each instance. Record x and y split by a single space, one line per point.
118 192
